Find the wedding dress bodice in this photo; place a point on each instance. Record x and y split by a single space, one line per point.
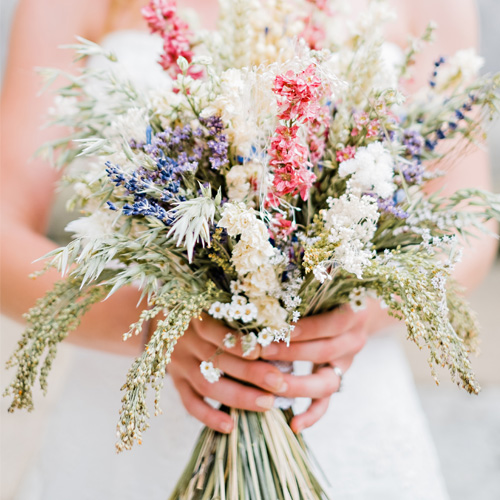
373 443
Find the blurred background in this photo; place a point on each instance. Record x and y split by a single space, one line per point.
466 428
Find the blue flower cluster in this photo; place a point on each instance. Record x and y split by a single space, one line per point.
136 185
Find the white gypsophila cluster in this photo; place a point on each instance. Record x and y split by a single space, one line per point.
211 373
462 67
351 222
371 170
425 213
243 179
239 309
289 292
321 273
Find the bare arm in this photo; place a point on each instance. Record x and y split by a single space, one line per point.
27 185
458 28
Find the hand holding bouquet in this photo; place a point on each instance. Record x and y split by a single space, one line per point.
259 187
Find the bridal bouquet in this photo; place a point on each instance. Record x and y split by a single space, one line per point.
278 173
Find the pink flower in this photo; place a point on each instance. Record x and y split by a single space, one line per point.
300 93
161 16
361 119
313 34
372 128
346 154
157 13
281 227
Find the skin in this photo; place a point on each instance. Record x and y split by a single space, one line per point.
27 189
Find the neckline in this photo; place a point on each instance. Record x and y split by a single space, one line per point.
126 31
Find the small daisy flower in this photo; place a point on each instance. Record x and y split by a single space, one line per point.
210 372
229 341
295 316
238 300
217 310
358 299
265 337
248 343
235 287
249 313
234 311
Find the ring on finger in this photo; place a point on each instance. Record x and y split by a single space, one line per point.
337 370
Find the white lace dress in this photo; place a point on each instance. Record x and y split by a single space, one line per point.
373 443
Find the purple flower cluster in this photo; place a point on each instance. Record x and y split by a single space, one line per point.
413 173
218 144
414 143
389 206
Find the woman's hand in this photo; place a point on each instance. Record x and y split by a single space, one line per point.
333 339
200 343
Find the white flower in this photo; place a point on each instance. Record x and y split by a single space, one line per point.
270 312
234 311
295 316
371 170
218 310
237 183
248 343
358 299
235 287
352 222
265 337
229 341
236 218
210 372
248 258
249 313
263 280
243 179
239 300
321 274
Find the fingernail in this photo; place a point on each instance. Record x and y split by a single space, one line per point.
275 381
296 332
266 402
226 427
270 350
